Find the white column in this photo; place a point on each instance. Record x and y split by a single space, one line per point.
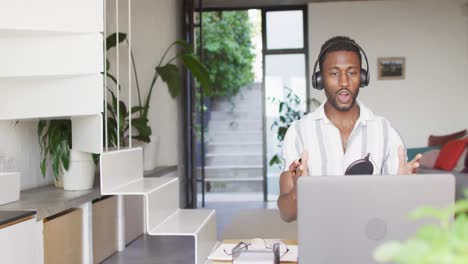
87 233
120 223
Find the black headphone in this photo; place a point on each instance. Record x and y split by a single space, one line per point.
317 77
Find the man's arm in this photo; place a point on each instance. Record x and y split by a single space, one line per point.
287 201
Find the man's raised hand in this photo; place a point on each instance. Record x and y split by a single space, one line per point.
407 167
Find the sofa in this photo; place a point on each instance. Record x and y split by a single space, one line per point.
445 154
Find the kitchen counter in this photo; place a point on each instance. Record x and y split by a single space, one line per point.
7 217
49 200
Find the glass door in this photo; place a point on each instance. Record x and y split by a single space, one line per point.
285 84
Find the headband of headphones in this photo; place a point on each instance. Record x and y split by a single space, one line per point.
317 77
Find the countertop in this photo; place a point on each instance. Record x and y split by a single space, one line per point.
7 217
49 200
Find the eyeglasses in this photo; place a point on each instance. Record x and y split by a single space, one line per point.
259 245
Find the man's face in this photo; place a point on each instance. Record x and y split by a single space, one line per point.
342 79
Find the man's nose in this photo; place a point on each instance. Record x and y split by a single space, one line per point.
344 80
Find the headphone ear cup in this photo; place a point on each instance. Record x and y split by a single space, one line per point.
364 78
317 80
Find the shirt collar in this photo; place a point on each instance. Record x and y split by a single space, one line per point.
365 113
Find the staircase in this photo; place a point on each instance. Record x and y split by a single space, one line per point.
234 153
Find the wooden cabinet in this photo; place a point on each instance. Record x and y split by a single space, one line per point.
133 207
104 228
63 238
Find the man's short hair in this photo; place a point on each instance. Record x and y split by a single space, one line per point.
339 43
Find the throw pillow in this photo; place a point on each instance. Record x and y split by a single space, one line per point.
450 154
461 161
412 152
429 159
466 165
442 140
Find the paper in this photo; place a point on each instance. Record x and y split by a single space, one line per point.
223 252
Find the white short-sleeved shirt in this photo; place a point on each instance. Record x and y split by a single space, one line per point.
315 133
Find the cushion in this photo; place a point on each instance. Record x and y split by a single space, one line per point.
429 159
412 152
450 154
465 170
461 161
442 140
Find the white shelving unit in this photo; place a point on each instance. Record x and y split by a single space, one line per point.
122 174
52 57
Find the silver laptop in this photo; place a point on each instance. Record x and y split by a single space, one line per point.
342 219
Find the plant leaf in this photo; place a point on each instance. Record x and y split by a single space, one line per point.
111 40
43 168
199 71
187 48
387 251
170 75
65 157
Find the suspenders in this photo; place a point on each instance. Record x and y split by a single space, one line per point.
364 146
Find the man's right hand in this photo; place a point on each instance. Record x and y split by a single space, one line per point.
299 167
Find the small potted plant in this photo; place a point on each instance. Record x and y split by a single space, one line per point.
72 170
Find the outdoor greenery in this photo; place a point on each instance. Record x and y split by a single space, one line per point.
289 112
228 51
169 73
433 244
55 141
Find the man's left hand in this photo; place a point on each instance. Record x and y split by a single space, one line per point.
407 167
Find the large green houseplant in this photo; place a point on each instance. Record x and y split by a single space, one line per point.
169 73
446 243
55 142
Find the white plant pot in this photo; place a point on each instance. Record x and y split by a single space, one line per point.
80 174
9 187
150 154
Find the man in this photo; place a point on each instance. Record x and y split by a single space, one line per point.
341 131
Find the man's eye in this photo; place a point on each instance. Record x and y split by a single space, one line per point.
352 73
333 73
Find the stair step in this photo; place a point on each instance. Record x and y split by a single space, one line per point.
234 148
146 185
245 136
242 125
199 223
236 159
183 221
233 179
236 115
231 171
234 186
234 154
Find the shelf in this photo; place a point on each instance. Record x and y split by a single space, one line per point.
41 55
44 15
143 186
52 97
183 222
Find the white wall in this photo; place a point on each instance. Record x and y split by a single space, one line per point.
155 25
433 37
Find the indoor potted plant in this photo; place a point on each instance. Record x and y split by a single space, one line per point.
170 74
72 169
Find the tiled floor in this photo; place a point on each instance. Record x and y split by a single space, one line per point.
156 250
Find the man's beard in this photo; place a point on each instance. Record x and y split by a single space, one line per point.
332 98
